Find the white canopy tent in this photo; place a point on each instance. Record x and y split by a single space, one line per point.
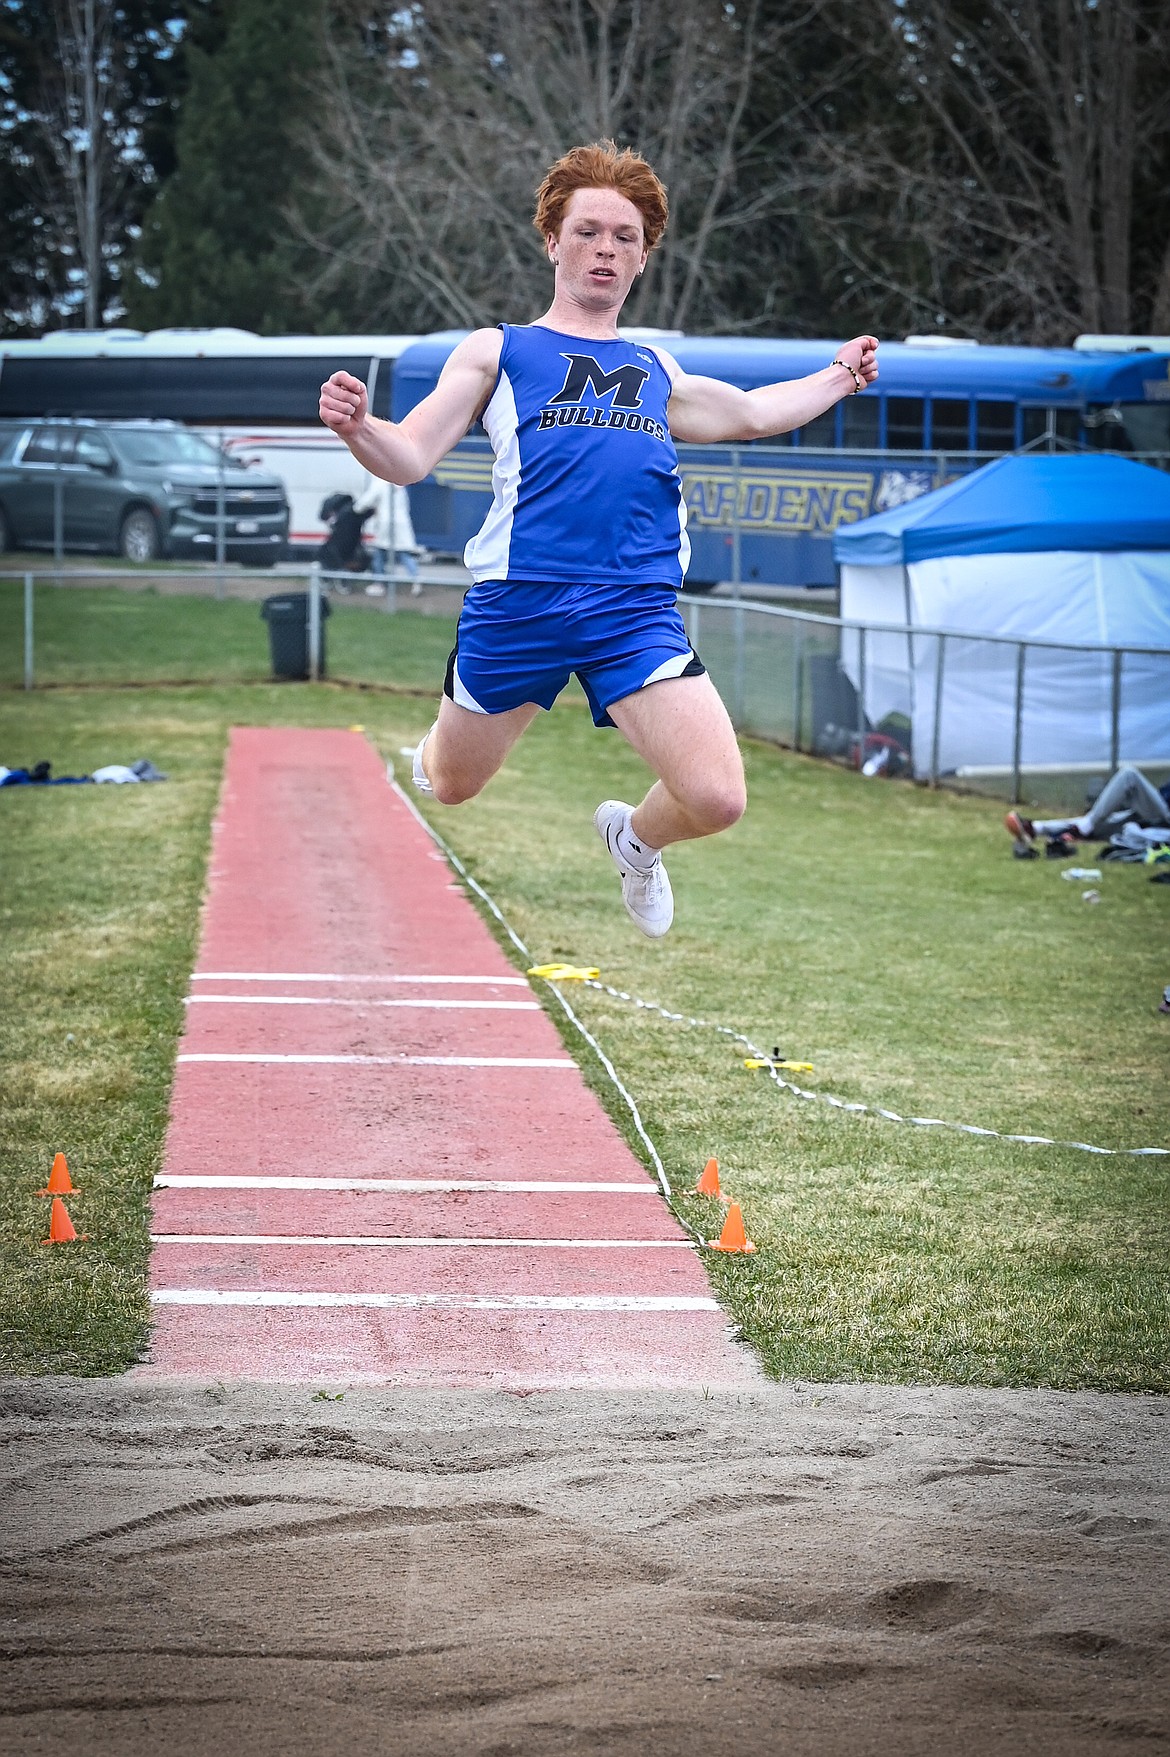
1030 567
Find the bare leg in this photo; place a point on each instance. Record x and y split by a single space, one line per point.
463 750
681 729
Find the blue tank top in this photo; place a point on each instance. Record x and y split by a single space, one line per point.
585 483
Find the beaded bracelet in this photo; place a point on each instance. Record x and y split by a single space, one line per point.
853 373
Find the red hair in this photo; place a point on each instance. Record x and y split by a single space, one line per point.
601 166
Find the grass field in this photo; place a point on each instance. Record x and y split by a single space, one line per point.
101 634
880 931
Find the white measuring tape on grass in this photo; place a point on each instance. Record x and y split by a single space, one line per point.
553 974
893 1116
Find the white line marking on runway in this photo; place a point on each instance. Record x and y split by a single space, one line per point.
319 1000
554 1244
413 1061
468 1302
404 1185
318 976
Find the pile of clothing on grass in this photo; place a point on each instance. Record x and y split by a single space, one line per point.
41 775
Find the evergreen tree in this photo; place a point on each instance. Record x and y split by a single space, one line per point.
216 247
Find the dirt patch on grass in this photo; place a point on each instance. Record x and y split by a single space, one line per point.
796 1569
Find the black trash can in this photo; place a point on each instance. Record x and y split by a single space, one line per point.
287 616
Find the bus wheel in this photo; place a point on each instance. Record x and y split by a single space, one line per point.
138 539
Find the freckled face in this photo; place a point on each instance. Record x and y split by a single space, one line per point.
600 250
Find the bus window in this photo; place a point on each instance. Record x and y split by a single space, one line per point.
995 426
1105 427
904 423
244 388
1147 425
859 423
822 431
950 424
1129 427
1063 423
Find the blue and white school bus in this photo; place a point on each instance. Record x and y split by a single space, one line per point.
765 513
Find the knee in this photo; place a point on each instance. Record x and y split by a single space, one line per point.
449 789
719 807
446 783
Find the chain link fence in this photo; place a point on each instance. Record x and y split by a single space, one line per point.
947 707
117 626
967 710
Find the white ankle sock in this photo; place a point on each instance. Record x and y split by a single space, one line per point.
635 853
418 773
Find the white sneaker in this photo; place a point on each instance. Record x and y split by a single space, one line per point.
417 773
647 895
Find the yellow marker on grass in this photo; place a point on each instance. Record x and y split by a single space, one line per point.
564 973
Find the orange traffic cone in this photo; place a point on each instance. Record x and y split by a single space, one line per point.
708 1184
733 1237
60 1183
60 1226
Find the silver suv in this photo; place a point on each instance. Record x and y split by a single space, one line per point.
142 489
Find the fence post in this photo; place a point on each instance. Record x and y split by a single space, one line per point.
736 555
797 683
1115 713
938 705
28 631
861 722
392 554
1018 735
220 520
315 622
58 504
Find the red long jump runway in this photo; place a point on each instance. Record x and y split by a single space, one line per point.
382 1165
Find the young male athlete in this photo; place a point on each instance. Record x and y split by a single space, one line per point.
580 558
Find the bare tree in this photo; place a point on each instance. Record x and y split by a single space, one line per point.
79 174
1018 164
430 140
88 93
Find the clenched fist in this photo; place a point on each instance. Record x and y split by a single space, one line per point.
344 404
861 354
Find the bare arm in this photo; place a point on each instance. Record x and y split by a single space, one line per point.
407 450
708 412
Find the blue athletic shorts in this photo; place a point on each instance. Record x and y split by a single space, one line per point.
519 641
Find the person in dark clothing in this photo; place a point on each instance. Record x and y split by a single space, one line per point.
342 550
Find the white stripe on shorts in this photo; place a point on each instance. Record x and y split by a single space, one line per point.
672 667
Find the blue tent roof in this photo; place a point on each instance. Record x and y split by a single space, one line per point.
1020 504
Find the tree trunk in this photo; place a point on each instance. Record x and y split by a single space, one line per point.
91 235
1117 150
1160 316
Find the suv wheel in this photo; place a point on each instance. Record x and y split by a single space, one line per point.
138 540
5 532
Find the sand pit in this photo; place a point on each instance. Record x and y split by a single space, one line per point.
823 1570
